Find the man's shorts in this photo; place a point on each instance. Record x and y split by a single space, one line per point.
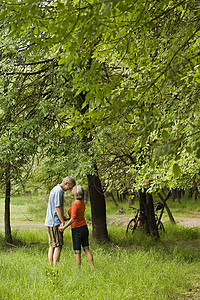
80 238
55 236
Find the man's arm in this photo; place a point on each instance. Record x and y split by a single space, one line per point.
60 215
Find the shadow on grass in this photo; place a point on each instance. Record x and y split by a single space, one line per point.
37 239
24 239
177 243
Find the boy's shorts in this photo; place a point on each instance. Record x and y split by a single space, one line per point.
55 236
80 238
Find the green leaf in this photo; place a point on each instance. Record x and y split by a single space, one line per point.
176 170
115 2
165 135
84 104
165 149
107 7
198 153
61 61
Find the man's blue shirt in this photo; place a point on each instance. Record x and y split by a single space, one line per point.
56 199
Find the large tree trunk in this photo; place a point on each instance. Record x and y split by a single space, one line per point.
98 209
8 236
146 204
97 198
151 216
144 221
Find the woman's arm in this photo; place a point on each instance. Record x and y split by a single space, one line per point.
62 228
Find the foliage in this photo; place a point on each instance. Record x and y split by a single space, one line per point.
135 68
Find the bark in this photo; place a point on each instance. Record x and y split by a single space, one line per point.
143 222
190 193
151 216
86 196
8 235
174 194
97 198
196 193
179 196
167 207
98 209
149 223
115 202
119 196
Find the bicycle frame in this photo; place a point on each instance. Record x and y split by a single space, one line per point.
140 215
132 226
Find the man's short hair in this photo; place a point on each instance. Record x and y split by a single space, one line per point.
70 180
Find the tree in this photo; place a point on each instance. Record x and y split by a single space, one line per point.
28 117
37 84
142 78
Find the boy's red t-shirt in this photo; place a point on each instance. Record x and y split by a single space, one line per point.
76 211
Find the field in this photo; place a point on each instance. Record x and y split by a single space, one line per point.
125 268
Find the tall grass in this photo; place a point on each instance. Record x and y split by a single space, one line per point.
124 268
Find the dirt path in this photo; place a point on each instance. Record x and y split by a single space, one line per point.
192 220
24 224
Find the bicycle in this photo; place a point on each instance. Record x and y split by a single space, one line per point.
140 215
159 223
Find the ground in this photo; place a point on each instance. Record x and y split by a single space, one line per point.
192 220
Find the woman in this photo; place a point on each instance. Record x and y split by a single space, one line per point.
79 227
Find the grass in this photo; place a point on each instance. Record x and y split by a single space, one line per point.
125 268
25 209
186 208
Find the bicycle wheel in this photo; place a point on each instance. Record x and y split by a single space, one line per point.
160 226
131 226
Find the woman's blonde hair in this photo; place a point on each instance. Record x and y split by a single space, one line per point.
78 192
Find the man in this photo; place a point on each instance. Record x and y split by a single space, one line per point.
55 217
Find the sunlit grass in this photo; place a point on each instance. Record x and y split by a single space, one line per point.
34 207
186 208
123 268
